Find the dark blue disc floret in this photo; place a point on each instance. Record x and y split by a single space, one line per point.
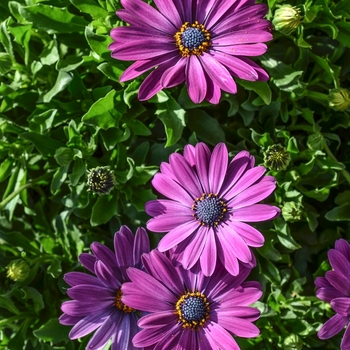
209 210
192 38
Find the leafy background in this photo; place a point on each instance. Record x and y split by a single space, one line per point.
63 111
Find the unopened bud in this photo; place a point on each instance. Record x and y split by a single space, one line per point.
18 270
101 180
339 99
287 19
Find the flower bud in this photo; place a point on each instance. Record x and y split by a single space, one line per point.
276 157
101 180
292 342
287 19
339 99
18 270
292 211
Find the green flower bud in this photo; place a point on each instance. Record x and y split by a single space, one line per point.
18 270
339 99
292 342
292 211
287 19
101 180
276 157
315 142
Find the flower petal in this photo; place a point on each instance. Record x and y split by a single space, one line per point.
165 206
333 326
341 306
219 337
195 80
202 160
251 236
255 213
218 167
209 254
174 75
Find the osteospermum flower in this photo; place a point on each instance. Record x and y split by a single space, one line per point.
204 43
96 303
188 310
209 203
334 288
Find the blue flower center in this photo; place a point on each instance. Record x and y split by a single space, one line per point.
209 209
193 310
192 38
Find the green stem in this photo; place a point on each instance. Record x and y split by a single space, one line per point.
331 155
15 193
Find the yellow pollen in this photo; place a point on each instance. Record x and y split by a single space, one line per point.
120 305
202 47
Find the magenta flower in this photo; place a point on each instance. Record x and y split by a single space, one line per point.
188 310
96 303
202 42
209 203
334 288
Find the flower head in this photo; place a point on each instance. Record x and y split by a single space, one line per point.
18 270
276 157
204 43
101 180
292 211
209 203
97 303
188 310
334 288
287 19
339 99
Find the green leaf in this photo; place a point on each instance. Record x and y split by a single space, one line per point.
44 144
262 140
90 7
32 293
260 87
99 43
52 331
173 117
341 213
111 71
77 172
5 63
16 239
63 156
62 81
6 168
69 63
206 127
58 178
106 112
52 19
104 209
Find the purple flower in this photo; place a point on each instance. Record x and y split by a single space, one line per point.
188 310
96 303
202 42
334 288
209 203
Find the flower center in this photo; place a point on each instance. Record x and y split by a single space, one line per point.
120 305
209 209
193 310
192 39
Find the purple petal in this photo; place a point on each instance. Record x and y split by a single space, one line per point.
202 160
343 247
89 324
168 222
126 34
184 173
253 194
322 282
341 306
146 288
219 337
171 189
174 75
142 66
328 294
141 245
333 326
194 248
195 80
240 37
242 296
190 154
339 262
157 319
88 261
262 74
213 91
107 257
255 213
177 235
209 254
218 167
219 75
150 336
91 293
251 236
68 320
84 308
149 16
105 276
219 9
338 281
169 10
75 278
250 314
165 206
345 343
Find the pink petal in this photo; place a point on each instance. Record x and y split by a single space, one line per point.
174 75
219 337
209 254
255 213
218 167
165 206
202 160
251 236
195 80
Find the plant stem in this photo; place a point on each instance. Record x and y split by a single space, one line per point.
331 155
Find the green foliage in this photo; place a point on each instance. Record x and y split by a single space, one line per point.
63 111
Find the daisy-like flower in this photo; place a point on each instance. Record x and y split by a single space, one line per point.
209 203
96 303
188 310
202 42
334 288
